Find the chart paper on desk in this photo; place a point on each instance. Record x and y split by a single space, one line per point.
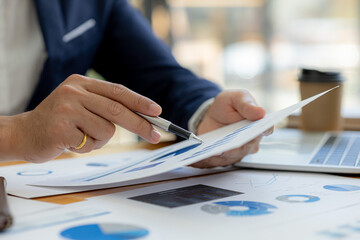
18 176
288 206
180 154
268 205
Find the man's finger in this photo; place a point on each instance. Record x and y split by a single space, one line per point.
268 132
237 154
99 128
125 96
77 138
119 114
245 104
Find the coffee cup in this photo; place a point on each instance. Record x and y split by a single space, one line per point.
323 114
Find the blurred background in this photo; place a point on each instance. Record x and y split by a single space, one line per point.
260 45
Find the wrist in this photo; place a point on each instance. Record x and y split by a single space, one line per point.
6 130
10 142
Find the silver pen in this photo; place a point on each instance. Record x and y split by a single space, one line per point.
170 127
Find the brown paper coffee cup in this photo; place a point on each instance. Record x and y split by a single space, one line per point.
324 114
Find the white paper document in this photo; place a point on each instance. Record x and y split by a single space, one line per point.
342 223
177 155
20 207
242 204
46 224
18 176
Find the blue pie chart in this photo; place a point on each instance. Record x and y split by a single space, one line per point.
342 187
298 198
104 231
229 208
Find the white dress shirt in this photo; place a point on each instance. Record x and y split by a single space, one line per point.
22 54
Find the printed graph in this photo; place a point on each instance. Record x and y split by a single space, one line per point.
298 198
231 208
342 187
104 231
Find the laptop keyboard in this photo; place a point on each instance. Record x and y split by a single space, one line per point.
339 150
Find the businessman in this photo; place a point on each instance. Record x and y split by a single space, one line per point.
48 105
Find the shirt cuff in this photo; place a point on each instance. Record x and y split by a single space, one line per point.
199 115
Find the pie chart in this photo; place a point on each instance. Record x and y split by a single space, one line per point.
106 231
342 187
298 198
229 208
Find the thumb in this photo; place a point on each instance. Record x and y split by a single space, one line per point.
247 107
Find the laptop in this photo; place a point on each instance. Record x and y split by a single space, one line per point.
291 149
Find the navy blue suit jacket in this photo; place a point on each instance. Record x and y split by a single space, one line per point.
122 48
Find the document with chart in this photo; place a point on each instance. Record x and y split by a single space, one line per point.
177 155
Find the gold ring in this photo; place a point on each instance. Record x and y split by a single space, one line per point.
82 142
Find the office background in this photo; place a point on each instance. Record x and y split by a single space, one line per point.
260 45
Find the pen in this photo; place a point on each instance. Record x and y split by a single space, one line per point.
170 127
5 216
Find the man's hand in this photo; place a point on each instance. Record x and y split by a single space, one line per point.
230 107
80 105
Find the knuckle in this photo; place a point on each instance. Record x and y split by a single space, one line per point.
139 101
118 90
65 89
115 108
68 89
75 77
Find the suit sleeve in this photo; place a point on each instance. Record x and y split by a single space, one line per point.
130 54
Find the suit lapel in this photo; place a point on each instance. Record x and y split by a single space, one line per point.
51 21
